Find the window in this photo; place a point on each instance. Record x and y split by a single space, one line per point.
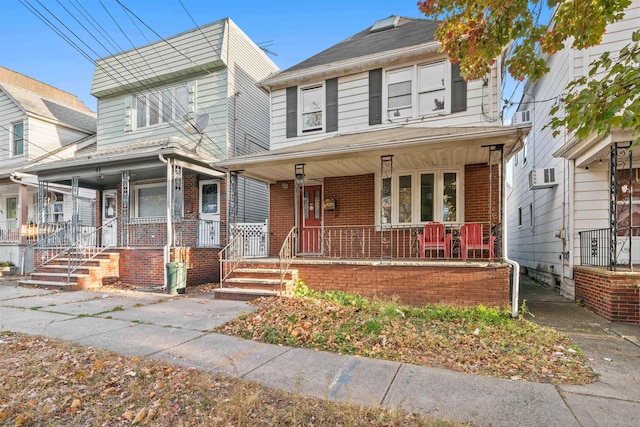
151 200
520 217
419 197
524 152
162 106
17 139
628 191
311 108
210 198
424 90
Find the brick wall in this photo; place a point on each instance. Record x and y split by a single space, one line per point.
612 295
414 285
281 214
145 267
476 193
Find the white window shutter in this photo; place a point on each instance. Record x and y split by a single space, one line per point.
192 89
128 113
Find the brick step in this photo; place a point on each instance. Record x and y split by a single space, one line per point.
253 283
52 277
262 270
46 269
241 294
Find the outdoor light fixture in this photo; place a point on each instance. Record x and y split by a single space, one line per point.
300 171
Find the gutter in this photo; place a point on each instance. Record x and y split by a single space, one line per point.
166 251
515 285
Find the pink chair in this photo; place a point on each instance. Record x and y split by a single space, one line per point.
434 238
471 239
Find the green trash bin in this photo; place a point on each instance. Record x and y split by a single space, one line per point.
176 277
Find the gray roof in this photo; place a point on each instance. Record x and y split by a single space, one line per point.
408 32
34 103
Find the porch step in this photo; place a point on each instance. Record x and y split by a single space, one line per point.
256 278
254 281
60 286
241 294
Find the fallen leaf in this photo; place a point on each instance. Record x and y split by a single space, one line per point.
128 415
109 390
75 404
140 416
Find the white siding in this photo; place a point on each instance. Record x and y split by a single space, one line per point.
353 109
9 113
581 200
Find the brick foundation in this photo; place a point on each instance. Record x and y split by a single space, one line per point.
612 295
145 267
462 286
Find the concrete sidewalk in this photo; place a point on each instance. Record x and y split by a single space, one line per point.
178 330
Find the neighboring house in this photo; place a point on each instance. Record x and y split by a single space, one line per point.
38 123
165 111
382 158
569 208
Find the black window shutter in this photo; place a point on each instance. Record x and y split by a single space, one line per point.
458 90
375 96
331 92
292 112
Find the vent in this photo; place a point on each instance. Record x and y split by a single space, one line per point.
521 118
385 24
542 178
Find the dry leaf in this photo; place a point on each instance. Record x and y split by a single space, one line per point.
128 415
140 416
32 402
75 404
109 390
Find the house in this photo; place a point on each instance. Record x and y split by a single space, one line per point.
165 112
385 173
570 221
38 123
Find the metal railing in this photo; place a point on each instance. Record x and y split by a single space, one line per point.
152 232
287 254
231 255
49 247
396 242
595 247
86 248
9 231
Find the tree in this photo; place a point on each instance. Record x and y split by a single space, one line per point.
475 32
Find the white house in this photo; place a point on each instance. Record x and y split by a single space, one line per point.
569 206
38 123
165 111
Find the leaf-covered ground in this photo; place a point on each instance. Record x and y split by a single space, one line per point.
47 382
481 341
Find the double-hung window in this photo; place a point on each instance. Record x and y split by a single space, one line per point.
312 106
151 200
420 197
423 90
17 139
162 106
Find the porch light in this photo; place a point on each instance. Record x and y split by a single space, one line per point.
300 171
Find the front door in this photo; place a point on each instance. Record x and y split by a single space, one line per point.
109 215
311 220
209 214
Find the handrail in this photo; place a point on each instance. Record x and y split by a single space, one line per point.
84 253
286 255
52 251
234 253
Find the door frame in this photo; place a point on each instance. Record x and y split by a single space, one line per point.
106 217
301 220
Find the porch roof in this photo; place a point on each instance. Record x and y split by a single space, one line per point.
102 167
593 148
359 153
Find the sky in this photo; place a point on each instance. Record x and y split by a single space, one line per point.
291 30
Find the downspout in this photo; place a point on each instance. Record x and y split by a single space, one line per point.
167 248
515 284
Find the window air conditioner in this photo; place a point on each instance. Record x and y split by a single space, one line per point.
521 118
542 178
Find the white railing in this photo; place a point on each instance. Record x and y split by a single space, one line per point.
399 242
86 248
9 231
287 254
231 255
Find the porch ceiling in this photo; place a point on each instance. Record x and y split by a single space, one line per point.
593 148
357 154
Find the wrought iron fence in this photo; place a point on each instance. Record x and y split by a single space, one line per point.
152 232
595 247
469 241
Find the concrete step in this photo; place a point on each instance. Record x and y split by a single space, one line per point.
262 271
241 294
60 286
248 282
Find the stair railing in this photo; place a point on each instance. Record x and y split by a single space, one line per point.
231 255
50 248
287 254
86 248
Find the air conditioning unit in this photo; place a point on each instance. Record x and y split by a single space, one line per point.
521 118
542 178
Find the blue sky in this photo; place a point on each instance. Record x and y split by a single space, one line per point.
293 30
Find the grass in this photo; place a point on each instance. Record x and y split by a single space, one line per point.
47 382
478 340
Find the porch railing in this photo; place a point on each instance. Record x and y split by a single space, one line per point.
231 255
86 248
152 232
9 231
286 255
595 247
397 242
49 246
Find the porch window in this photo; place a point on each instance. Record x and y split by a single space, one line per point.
628 191
420 197
312 107
17 139
12 207
162 106
151 200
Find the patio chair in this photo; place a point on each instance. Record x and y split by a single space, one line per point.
471 239
434 238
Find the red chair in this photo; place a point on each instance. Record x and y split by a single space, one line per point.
434 238
471 239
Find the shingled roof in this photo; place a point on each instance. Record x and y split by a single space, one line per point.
407 32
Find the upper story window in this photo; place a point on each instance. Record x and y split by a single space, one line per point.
17 139
311 108
163 106
419 90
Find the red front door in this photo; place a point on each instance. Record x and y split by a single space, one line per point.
311 219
